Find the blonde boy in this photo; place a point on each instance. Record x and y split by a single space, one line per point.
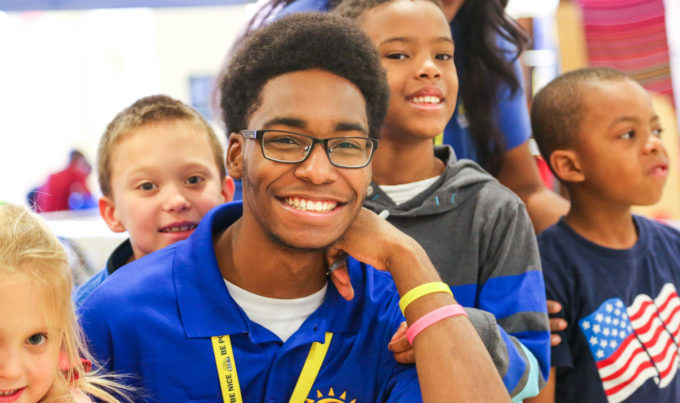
161 168
614 273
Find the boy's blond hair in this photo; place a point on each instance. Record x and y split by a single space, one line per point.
28 249
150 110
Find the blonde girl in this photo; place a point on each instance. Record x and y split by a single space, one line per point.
42 355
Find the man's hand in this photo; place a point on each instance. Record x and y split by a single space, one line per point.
368 239
362 241
451 357
556 324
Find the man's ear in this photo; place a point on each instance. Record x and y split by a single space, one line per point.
566 165
235 149
107 209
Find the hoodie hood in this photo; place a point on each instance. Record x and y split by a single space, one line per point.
452 188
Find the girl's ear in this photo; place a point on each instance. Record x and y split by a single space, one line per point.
107 209
235 150
566 165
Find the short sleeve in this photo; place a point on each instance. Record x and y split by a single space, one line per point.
513 113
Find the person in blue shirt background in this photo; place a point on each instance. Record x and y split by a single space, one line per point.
243 310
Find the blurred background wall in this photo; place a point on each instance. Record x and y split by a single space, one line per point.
68 66
65 74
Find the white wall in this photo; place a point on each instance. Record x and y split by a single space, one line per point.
65 74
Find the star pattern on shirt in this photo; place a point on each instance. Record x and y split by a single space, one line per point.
606 328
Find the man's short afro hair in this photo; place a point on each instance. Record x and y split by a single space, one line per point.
300 42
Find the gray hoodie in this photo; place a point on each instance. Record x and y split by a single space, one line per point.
479 237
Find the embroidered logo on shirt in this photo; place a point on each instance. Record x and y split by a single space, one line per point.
635 343
330 398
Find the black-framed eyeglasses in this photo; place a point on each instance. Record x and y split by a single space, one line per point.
291 148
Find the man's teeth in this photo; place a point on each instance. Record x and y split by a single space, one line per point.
428 99
311 205
180 228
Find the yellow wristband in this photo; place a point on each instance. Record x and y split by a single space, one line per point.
422 290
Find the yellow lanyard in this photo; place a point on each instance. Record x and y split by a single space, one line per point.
226 369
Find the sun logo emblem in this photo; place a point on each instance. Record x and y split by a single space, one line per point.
330 398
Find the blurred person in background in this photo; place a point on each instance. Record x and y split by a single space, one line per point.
66 189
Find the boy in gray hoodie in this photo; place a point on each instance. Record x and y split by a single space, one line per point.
476 232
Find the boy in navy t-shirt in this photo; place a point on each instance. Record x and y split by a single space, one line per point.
614 273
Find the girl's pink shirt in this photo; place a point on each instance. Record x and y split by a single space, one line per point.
79 396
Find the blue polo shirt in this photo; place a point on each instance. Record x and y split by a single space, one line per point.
118 258
154 319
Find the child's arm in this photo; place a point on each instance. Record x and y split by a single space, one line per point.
519 173
511 288
547 395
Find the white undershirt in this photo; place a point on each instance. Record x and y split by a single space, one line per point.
280 316
407 191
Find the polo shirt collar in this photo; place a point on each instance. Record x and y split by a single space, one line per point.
207 309
120 256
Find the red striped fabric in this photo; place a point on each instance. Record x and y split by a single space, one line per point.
630 35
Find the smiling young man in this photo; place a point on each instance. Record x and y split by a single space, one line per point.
243 309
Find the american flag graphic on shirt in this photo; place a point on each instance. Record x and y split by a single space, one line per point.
632 344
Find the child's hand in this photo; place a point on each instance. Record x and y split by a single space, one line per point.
556 324
400 347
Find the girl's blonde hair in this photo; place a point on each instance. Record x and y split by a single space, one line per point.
29 249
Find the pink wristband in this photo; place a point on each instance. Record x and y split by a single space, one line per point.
431 318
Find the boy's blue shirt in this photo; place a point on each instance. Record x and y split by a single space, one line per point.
623 314
153 319
118 258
